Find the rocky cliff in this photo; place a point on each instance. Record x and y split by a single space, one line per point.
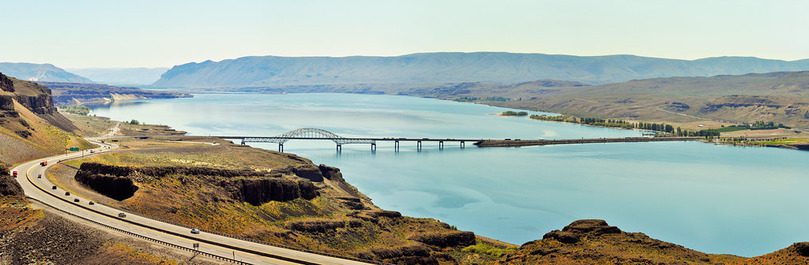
80 93
8 185
30 126
256 188
34 98
596 242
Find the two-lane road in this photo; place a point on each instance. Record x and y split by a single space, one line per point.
36 185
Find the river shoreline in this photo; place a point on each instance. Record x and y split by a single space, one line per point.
411 116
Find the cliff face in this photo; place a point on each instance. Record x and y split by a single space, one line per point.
107 180
41 104
6 84
78 93
8 185
253 187
6 101
34 98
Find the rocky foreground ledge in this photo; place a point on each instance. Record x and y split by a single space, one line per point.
596 242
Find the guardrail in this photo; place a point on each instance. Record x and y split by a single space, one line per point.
28 177
195 251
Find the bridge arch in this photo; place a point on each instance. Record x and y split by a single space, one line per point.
309 134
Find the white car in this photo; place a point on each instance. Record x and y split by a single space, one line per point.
195 230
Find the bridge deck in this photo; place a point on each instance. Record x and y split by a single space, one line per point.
376 139
518 143
478 141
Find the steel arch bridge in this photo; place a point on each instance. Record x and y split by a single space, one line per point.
308 134
324 135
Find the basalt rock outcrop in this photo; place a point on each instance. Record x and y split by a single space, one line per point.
41 104
317 174
8 186
331 173
33 97
580 228
254 187
412 254
446 239
321 226
257 191
6 84
110 181
82 93
596 242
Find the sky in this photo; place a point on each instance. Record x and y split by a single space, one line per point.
163 33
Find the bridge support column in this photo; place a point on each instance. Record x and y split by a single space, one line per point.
243 141
440 145
339 148
418 146
373 147
281 147
463 144
396 146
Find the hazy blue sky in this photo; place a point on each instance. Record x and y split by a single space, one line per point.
103 33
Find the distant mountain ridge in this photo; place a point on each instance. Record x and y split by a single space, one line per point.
453 67
41 72
121 76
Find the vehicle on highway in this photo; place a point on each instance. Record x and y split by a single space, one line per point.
195 230
92 203
39 176
54 187
67 193
121 215
14 173
76 200
43 163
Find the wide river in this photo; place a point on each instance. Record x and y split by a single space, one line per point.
718 199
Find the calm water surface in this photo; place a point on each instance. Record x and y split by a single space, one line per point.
719 199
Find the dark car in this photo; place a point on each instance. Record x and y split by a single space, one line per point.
54 187
92 203
121 215
76 200
67 193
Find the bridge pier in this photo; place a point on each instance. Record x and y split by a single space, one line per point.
373 147
280 147
396 146
440 145
418 146
243 141
339 148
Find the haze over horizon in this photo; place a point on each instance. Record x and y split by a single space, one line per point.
94 33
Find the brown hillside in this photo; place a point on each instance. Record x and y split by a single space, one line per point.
30 126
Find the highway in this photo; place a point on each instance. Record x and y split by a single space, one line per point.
32 178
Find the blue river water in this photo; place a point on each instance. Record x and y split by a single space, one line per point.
718 199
